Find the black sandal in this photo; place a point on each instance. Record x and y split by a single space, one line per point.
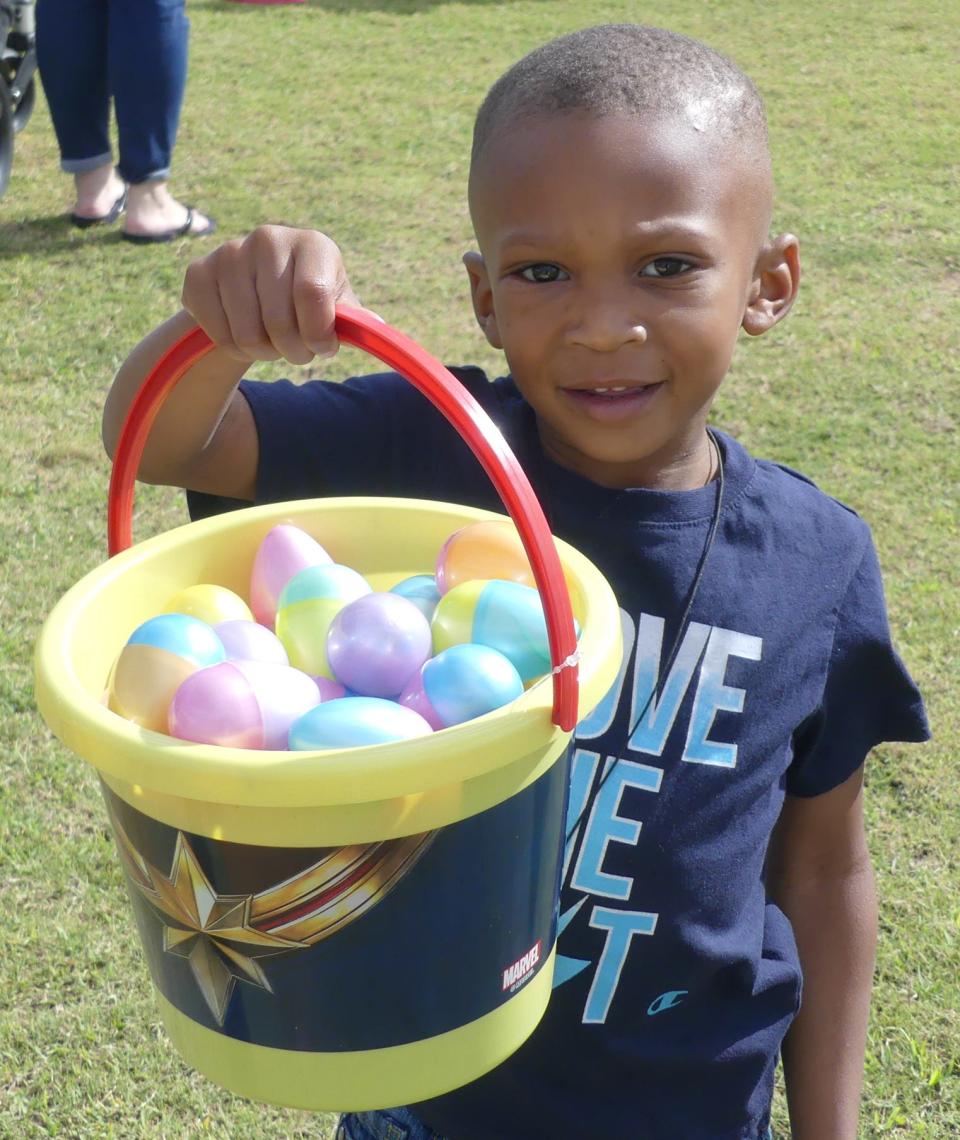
185 230
106 219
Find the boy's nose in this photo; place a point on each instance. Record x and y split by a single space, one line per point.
605 326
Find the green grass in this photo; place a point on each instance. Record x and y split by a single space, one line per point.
354 117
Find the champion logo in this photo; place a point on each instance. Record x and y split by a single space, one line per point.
666 1001
514 976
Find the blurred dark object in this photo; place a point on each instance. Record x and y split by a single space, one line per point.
202 506
18 64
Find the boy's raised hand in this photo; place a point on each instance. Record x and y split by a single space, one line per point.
271 294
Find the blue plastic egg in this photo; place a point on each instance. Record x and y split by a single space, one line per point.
349 722
159 656
462 682
422 590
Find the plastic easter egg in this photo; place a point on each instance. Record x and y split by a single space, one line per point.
506 616
452 621
491 548
354 721
210 603
422 590
377 643
307 606
329 690
283 693
241 704
181 634
414 697
462 682
217 705
159 655
284 552
251 641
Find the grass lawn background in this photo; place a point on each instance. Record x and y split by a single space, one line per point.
355 118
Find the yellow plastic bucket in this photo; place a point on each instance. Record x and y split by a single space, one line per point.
337 930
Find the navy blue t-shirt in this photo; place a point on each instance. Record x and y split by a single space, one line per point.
676 977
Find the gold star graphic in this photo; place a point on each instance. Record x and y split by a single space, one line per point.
223 937
212 931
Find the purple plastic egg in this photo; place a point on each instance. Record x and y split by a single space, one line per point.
241 704
377 643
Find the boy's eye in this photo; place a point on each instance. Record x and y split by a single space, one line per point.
542 273
665 267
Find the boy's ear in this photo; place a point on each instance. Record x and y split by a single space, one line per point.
774 286
482 296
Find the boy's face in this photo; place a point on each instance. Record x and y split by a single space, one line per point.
619 258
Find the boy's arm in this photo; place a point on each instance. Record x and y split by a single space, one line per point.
268 296
819 873
204 436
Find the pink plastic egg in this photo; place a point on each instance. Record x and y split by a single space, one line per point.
242 704
284 552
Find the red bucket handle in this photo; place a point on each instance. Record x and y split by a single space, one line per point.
358 328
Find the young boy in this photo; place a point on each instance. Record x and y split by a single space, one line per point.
620 189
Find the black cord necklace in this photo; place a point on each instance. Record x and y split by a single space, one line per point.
657 690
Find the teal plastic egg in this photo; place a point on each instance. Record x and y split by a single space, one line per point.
505 616
306 608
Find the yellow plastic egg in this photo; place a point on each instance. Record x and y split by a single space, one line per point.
210 603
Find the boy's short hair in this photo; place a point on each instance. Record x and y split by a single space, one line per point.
626 68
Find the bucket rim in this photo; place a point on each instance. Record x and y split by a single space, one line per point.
247 777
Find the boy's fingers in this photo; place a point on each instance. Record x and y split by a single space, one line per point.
319 284
271 294
274 287
213 295
201 299
238 297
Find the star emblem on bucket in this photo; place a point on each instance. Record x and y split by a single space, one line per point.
224 937
212 931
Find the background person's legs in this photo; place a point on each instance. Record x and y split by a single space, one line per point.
72 59
147 50
147 65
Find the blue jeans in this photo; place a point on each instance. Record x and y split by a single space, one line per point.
132 50
387 1124
393 1124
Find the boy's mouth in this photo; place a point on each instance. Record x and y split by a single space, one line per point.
612 401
